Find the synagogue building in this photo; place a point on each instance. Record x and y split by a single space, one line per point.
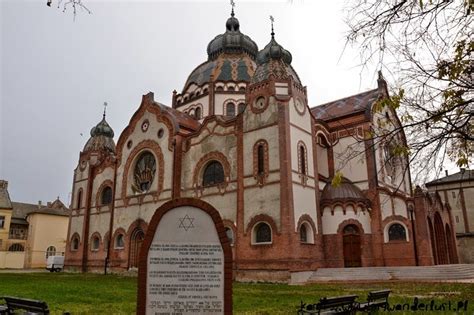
241 136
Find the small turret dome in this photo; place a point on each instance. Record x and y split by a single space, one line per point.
345 191
273 50
102 138
274 61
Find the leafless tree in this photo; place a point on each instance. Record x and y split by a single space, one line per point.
428 47
75 5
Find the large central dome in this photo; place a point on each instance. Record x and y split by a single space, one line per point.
231 57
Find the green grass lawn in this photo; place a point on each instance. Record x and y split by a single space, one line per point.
112 294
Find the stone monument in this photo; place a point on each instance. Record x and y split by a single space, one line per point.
185 262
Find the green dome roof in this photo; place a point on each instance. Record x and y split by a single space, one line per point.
102 138
275 61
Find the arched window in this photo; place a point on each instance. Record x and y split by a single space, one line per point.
306 233
230 109
303 235
242 89
95 244
119 241
75 243
145 169
106 196
220 88
79 199
197 113
262 233
241 108
230 235
230 88
213 174
260 159
302 159
50 251
397 232
16 248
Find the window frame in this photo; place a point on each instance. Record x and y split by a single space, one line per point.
255 233
116 240
215 182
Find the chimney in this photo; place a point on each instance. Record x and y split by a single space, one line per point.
446 171
40 204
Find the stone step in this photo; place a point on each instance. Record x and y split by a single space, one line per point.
439 272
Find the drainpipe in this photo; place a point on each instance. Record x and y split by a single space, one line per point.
411 210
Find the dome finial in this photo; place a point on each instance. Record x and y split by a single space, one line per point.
105 109
232 3
272 20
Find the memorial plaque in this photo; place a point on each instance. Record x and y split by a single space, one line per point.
185 263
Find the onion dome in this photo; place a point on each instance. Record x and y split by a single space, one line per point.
274 60
232 41
231 57
102 138
344 192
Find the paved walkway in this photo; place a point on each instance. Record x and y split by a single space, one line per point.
451 273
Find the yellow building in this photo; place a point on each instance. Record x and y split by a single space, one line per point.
29 233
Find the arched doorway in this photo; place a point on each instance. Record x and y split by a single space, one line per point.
432 241
136 241
440 240
351 246
451 246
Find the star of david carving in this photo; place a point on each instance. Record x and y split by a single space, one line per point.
186 223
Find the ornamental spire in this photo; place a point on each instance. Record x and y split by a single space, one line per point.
105 109
232 3
271 21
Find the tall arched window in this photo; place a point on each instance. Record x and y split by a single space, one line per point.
302 159
397 232
145 169
106 196
230 235
260 159
262 233
213 174
95 244
303 234
119 241
50 251
79 199
230 109
241 108
75 243
197 113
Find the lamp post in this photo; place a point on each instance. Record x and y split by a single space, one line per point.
411 210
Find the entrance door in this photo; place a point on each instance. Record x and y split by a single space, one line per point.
351 246
135 245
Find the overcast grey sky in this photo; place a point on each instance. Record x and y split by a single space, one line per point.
56 72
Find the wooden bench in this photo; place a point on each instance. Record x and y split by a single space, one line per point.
31 306
375 300
331 305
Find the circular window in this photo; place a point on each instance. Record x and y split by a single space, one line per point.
145 125
144 172
161 132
